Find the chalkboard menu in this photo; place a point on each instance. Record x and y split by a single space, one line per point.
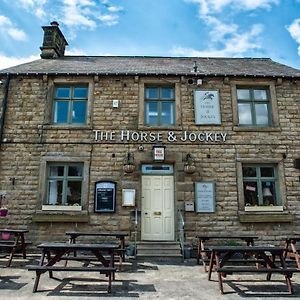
105 196
205 196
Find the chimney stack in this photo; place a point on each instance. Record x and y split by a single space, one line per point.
54 42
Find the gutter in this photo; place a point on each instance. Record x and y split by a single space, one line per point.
4 106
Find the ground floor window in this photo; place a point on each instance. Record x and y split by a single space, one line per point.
260 185
64 184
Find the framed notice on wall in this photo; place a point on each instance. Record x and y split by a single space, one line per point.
105 196
207 107
205 197
128 197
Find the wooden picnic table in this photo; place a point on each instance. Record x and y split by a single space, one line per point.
119 235
203 251
55 252
291 250
265 256
14 244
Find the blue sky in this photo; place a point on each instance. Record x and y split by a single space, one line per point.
209 28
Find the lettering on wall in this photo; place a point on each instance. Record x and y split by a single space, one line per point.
170 136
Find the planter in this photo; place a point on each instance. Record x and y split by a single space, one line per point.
128 168
189 169
3 212
5 236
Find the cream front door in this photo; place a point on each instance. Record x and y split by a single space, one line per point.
157 208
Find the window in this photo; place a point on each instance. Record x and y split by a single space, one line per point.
260 185
64 184
254 106
159 106
70 105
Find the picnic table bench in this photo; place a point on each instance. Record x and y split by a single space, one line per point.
292 250
14 244
54 252
203 251
73 235
221 256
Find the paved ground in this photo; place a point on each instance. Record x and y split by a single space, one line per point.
144 280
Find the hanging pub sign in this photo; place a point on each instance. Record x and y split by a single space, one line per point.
205 197
207 107
105 196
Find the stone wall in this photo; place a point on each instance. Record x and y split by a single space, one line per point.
29 138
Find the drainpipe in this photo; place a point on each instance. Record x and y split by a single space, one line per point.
4 106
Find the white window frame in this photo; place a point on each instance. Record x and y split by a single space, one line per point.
63 159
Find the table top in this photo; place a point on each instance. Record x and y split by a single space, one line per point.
77 233
225 237
293 238
99 246
14 230
247 248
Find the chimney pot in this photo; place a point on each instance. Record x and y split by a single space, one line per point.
54 23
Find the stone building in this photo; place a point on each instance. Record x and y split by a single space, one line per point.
134 143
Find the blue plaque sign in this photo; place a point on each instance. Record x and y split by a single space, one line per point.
205 197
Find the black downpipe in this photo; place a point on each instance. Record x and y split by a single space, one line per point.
4 106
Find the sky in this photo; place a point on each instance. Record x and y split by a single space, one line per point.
205 28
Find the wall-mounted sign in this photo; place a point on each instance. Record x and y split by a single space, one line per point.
189 206
105 196
128 197
158 153
205 196
126 136
207 107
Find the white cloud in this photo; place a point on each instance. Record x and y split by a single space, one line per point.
114 9
109 20
17 34
10 61
215 6
35 6
75 52
4 21
294 30
235 46
226 38
8 29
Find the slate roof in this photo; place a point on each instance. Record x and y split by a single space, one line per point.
140 65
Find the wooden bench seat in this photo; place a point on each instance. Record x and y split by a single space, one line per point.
287 272
230 270
109 271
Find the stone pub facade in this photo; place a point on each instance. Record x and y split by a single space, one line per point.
135 143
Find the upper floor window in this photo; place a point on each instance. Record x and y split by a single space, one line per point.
160 106
254 106
260 184
64 184
70 105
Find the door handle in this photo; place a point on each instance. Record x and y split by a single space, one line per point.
157 213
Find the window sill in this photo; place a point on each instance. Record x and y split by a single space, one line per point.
146 127
66 127
263 208
256 129
60 217
265 217
61 208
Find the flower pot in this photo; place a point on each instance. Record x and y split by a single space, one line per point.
189 169
128 168
3 212
5 236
